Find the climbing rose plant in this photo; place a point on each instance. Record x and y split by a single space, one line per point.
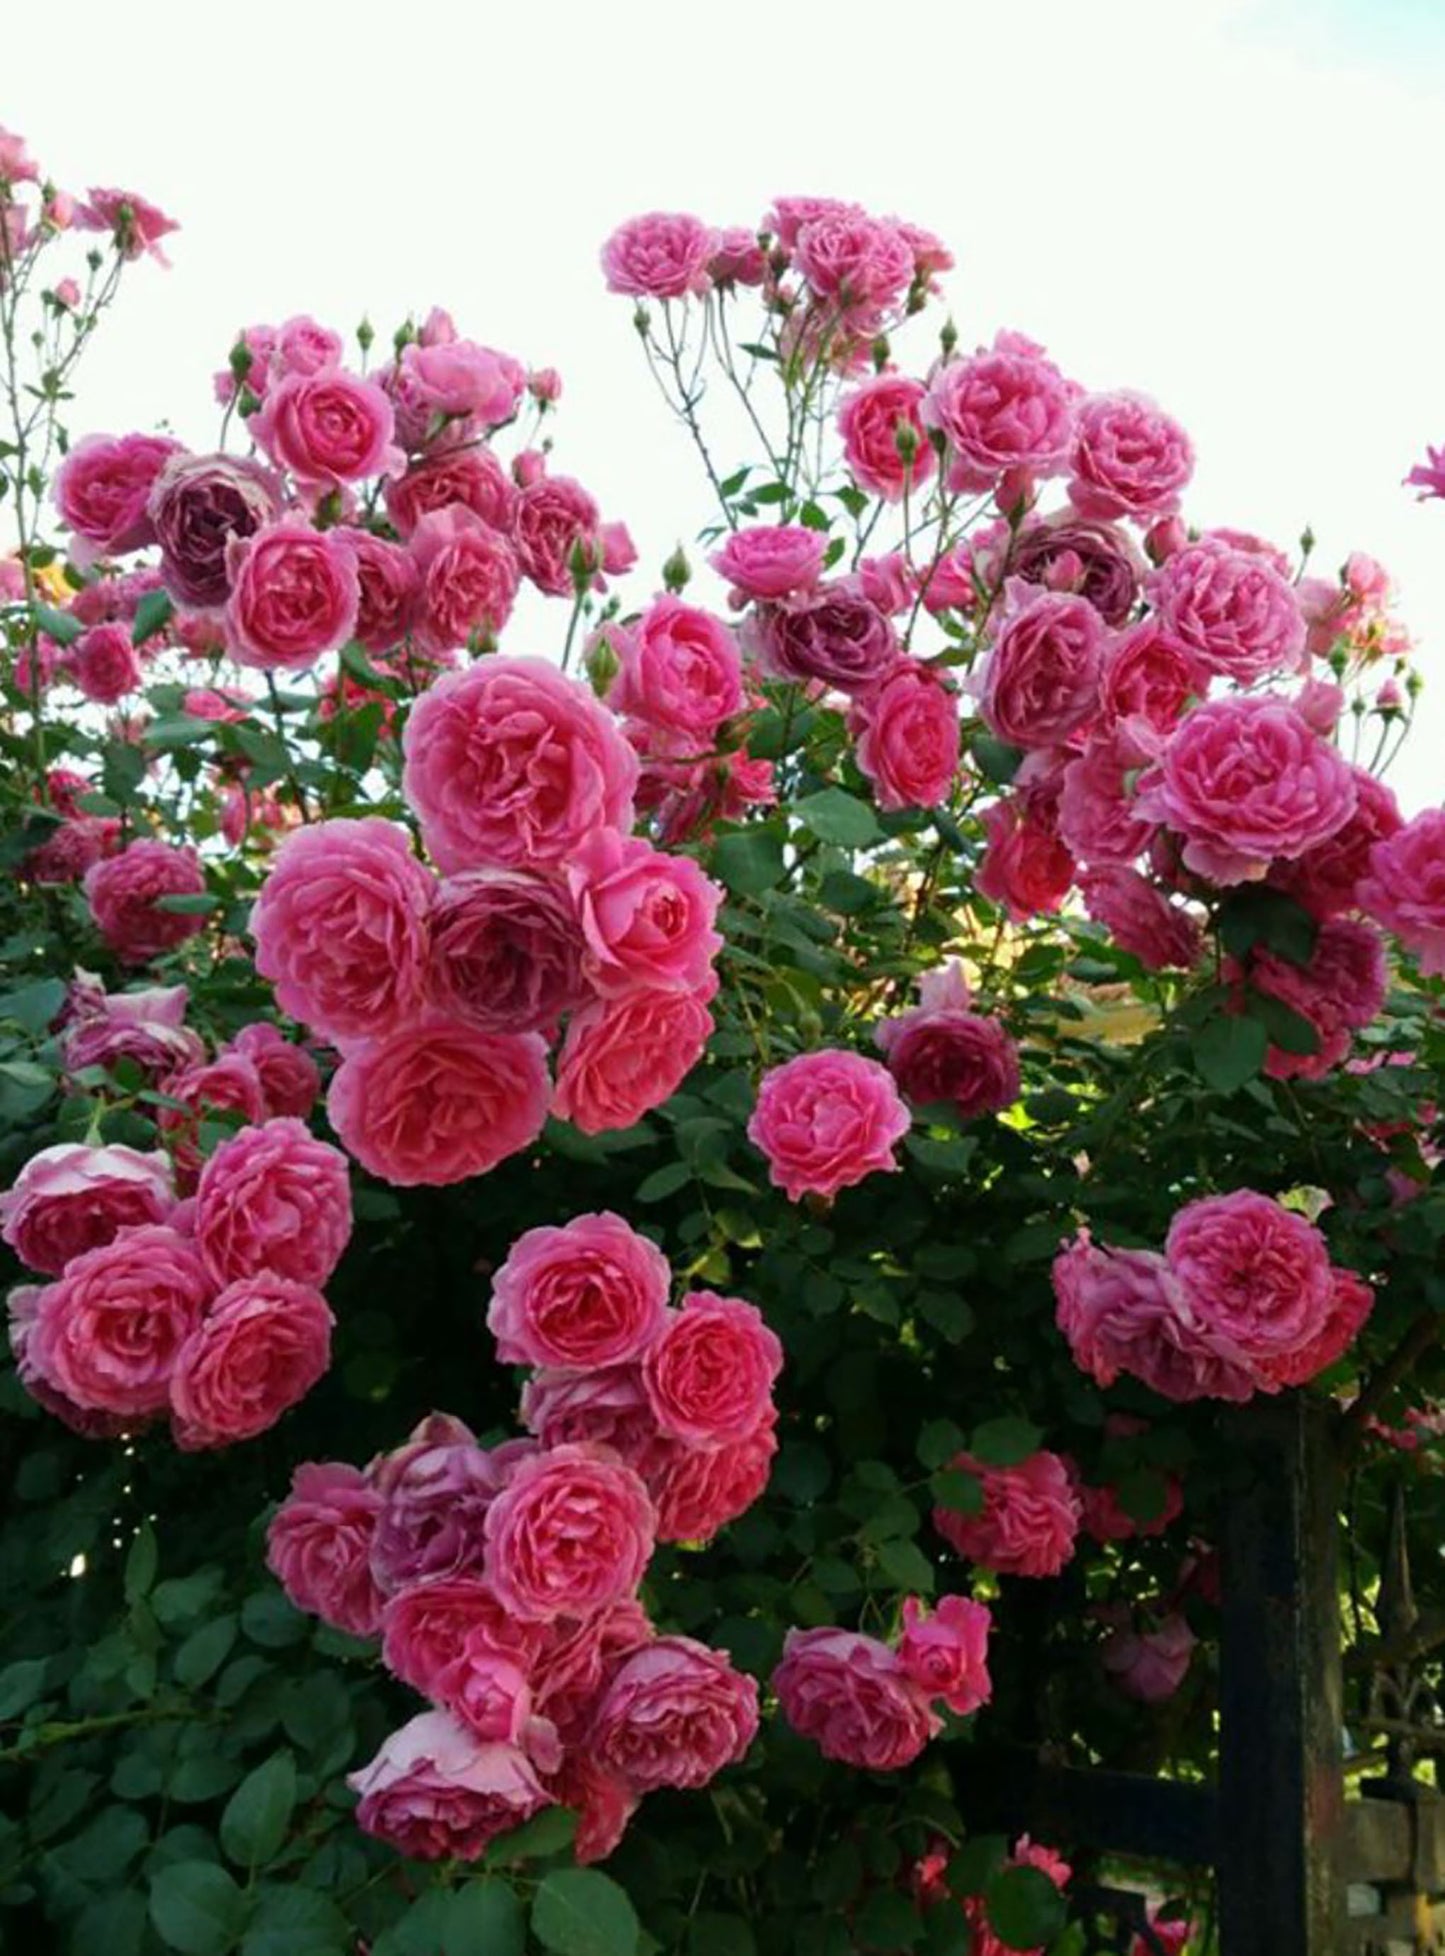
615 1211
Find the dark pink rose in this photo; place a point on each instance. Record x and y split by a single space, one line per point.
1028 1522
71 1198
831 634
624 1056
852 1697
1338 990
259 1349
505 950
591 1293
906 730
23 1310
679 669
103 486
605 1406
471 477
1231 609
674 1714
104 664
825 1121
603 1803
1403 888
318 1546
327 428
1351 1302
771 560
437 1102
1128 458
557 535
1325 878
69 852
469 579
1149 674
1041 679
950 1055
437 1491
290 1078
1095 561
661 255
1257 1276
570 1533
123 893
577 1658
146 1026
107 1334
647 917
273 1199
884 442
436 1792
294 596
1098 816
1141 919
429 1629
1002 408
228 1084
861 265
1026 870
387 582
946 1653
709 1376
698 1490
199 505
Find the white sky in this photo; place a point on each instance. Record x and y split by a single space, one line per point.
1230 204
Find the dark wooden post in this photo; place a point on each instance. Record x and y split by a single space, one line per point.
1281 1802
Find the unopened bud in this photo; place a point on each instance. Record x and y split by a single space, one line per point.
582 562
1339 659
641 322
1307 543
948 338
329 510
404 335
677 571
242 359
603 665
365 335
1414 684
247 405
905 440
880 351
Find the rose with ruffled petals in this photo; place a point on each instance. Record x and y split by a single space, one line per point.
709 1376
471 477
123 893
146 1026
698 1490
1257 1275
825 1121
852 1697
318 1546
884 442
1126 1311
71 1198
290 1078
107 1334
1128 459
660 255
1147 673
1041 679
1336 991
1004 407
1026 869
557 523
1093 560
104 665
436 1792
1231 609
570 1533
606 1406
103 486
945 1652
462 381
1029 1519
955 1056
624 1056
200 505
273 1199
1141 919
262 1345
327 428
469 578
1404 888
429 1627
294 596
578 1656
387 581
771 560
591 1293
1325 878
1351 1302
678 669
1149 1665
1098 815
646 916
603 1803
437 1492
833 634
506 950
906 733
674 1714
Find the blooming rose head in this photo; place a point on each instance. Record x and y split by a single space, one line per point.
1003 408
1128 458
71 1198
853 1698
955 1056
1326 877
318 1546
107 1334
1028 1522
273 1199
429 1628
124 891
135 226
437 1490
646 916
290 1078
469 477
1141 919
709 1375
863 265
946 1653
102 490
771 560
294 596
557 523
906 730
661 255
327 428
387 580
1026 869
1098 815
1257 1276
673 1714
511 763
591 1293
506 950
146 1026
1149 1664
1339 989
437 1102
1041 680
1093 560
825 1121
1403 888
698 1490
436 1792
104 665
603 1804
678 669
469 579
462 382
624 1056
257 1352
831 634
571 1532
578 1656
1231 609
199 505
884 442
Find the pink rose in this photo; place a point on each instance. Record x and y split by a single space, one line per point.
956 1056
341 927
1244 781
1098 817
108 1333
200 505
294 596
290 1078
1041 679
1149 1665
1029 1520
327 427
1026 870
1404 888
471 477
1107 1520
577 1658
603 1803
124 891
505 951
490 1696
709 1376
1004 407
438 1490
698 1490
852 1697
832 634
146 1026
674 1714
605 1406
1093 560
589 1294
103 486
884 442
570 1533
23 1310
135 226
512 763
679 669
318 1546
104 664
469 579
1128 458
890 582
436 1792
68 852
71 1198
1126 1311
946 1653
906 730
777 560
556 535
825 1121
1026 1854
257 1352
435 1102
430 1629
1231 609
463 381
662 255
387 583
1338 990
646 916
1325 878
1141 919
1351 1302
273 1200
624 1056
1256 1275
863 264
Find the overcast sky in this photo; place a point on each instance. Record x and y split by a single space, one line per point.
1231 206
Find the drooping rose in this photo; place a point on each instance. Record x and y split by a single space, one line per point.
436 1792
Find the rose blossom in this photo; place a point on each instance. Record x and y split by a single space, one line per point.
826 1120
434 1102
108 1332
1231 609
603 1804
1028 1522
884 443
577 1658
1026 870
571 1532
679 669
1140 918
462 381
1128 458
491 1697
832 634
889 582
471 477
588 1294
430 1629
955 1056
906 734
1351 1302
1147 673
512 763
778 560
327 428
199 505
103 486
437 1490
624 1056
146 1026
257 1352
71 1198
505 951
273 1199
1149 1664
318 1546
469 579
863 264
699 1490
1041 680
1403 888
104 664
557 521
605 1406
1107 1520
1257 1276
709 1376
1339 989
1095 561
69 851
852 1697
123 890
1126 1311
1004 407
661 255
435 1791
135 225
23 1306
646 916
294 596
1326 878
674 1714
946 1653
290 1078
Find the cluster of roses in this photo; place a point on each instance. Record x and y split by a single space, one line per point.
503 1581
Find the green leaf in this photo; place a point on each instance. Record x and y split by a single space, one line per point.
121 772
888 1920
196 1908
189 903
546 1833
484 1919
114 1922
1291 1031
1143 1494
33 1006
21 1684
996 760
976 1863
106 1848
1261 916
833 815
578 1912
1025 1910
749 861
1228 1050
140 1564
152 614
290 1920
258 1813
664 1182
960 1492
939 1441
906 1566
170 730
713 1934
205 1651
270 1620
1004 1442
62 626
950 1156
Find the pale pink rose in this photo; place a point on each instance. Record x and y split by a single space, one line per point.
103 487
624 1056
832 633
1403 888
469 579
273 1199
825 1121
945 1653
511 763
290 1078
647 917
294 596
1128 458
430 1628
619 552
471 477
862 265
123 893
435 1102
146 1026
884 442
709 1376
661 255
1245 781
1339 989
577 1658
1149 1665
556 535
698 1490
387 583
1029 1520
201 505
303 346
71 1198
788 215
1141 919
1256 1275
777 560
489 1695
544 384
679 669
1147 674
570 1533
1065 552
17 165
603 1803
327 427
1041 678
906 734
437 1491
1319 704
591 1293
675 1713
104 664
436 1792
107 1334
1002 408
1231 610
259 1349
1126 1311
1026 870
318 1546
939 1054
459 379
852 1697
